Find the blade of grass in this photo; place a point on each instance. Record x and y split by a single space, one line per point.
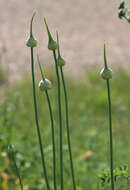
11 151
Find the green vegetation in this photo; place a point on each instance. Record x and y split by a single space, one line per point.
88 128
92 106
3 77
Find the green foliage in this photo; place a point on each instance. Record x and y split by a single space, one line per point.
3 78
121 172
88 127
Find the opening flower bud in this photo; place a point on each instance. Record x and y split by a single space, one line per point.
45 84
60 61
31 42
106 73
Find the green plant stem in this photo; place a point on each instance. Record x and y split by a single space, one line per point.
53 140
60 121
37 123
110 133
17 171
67 128
52 127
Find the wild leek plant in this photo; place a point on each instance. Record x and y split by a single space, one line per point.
31 42
61 62
45 85
11 152
52 45
106 73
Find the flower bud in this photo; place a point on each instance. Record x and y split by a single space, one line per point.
121 14
60 61
31 42
45 84
122 5
52 45
106 73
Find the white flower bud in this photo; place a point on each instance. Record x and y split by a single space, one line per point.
106 73
45 84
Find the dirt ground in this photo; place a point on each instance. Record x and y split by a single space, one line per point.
84 26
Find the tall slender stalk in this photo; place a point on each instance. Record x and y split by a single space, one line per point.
52 128
37 122
110 132
67 117
15 164
60 121
52 45
106 73
68 130
31 43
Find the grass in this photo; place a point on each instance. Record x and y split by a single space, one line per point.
88 128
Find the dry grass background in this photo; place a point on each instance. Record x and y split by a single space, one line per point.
83 26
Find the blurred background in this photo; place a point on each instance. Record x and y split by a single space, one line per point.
83 26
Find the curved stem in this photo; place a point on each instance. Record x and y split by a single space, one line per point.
41 70
105 60
67 128
31 23
37 123
60 121
53 140
110 131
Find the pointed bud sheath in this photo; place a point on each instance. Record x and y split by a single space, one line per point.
45 84
31 41
106 73
52 45
60 61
